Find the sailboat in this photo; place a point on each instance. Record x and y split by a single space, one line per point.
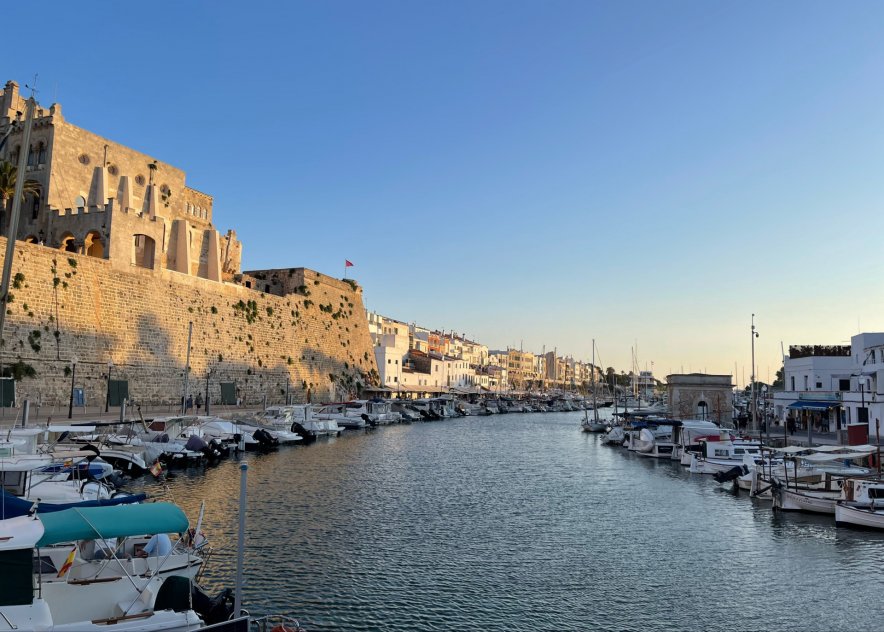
596 425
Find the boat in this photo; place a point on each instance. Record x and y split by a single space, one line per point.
43 597
656 439
723 454
596 424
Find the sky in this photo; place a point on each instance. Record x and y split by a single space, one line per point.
647 174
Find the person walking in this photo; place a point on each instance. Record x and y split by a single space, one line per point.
199 402
189 404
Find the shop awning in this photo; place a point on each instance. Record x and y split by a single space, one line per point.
811 405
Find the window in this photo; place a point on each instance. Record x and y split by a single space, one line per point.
41 154
819 384
35 207
843 385
792 381
805 383
32 157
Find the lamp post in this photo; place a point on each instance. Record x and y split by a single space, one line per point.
208 375
110 367
73 377
754 335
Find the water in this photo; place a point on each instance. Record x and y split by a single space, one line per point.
522 522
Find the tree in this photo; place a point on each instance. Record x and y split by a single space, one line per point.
8 174
779 380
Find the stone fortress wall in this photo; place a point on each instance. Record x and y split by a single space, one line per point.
315 338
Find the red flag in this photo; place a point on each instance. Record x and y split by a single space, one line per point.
348 264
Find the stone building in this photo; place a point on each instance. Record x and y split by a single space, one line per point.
701 396
103 199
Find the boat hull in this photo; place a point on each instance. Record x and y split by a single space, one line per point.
858 517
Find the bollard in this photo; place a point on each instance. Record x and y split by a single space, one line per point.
241 542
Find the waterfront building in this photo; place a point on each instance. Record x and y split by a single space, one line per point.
834 386
103 199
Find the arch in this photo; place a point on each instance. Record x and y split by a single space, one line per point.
143 251
66 243
702 409
30 239
94 244
80 202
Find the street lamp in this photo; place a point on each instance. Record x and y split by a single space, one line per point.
73 377
754 335
110 367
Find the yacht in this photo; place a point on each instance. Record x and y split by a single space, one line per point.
52 598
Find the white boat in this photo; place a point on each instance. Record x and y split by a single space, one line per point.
656 441
862 504
723 455
34 598
614 436
688 436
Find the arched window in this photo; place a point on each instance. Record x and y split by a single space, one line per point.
67 243
702 409
32 156
93 244
35 206
41 154
80 202
143 251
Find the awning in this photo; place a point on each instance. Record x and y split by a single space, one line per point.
811 405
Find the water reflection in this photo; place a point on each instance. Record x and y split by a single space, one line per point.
520 522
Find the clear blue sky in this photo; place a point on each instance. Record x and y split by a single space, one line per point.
536 173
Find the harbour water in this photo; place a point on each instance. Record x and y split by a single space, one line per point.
522 522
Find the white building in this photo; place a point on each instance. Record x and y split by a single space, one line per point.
831 387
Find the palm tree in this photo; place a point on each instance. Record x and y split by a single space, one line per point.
8 174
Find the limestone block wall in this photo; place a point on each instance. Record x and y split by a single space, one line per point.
67 305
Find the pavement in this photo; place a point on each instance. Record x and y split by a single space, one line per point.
43 415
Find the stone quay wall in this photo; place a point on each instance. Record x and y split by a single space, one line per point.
68 306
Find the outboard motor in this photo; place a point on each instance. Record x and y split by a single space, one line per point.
369 422
266 441
731 474
195 444
178 593
308 435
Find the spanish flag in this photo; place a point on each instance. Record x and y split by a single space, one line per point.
156 469
68 562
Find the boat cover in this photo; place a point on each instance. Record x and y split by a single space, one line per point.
89 523
12 506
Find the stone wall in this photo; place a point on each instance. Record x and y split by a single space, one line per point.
67 305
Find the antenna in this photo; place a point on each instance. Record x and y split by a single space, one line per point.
33 88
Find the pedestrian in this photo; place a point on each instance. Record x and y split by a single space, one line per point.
189 406
199 402
790 424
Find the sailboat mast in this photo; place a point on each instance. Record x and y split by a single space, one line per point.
595 409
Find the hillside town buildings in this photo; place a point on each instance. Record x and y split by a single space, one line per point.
415 361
